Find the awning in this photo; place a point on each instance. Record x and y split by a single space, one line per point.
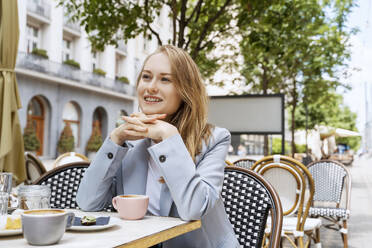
346 133
11 140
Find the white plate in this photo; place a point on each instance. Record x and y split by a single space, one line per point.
113 221
10 232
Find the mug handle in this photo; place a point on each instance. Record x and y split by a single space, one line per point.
114 202
70 219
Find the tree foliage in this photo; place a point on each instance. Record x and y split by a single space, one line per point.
196 25
296 47
31 141
95 140
329 110
66 142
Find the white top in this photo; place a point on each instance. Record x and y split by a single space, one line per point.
153 186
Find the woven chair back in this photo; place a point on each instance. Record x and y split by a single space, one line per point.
329 178
245 163
293 182
34 167
64 183
69 157
248 199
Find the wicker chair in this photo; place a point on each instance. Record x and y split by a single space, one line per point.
332 179
34 167
64 183
295 186
69 157
248 199
245 163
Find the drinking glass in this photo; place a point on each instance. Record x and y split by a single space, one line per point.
33 197
5 188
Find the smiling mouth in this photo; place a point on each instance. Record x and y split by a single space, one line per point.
150 99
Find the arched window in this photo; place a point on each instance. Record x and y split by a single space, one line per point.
71 115
100 117
36 112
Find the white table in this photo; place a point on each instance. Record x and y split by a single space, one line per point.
149 231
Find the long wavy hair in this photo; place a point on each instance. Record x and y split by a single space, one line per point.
191 117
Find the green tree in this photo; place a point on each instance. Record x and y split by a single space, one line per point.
277 146
197 25
66 142
293 46
31 141
95 140
329 110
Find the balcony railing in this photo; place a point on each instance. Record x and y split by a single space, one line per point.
36 63
122 47
71 24
42 8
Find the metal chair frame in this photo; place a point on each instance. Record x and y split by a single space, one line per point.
301 204
242 223
337 223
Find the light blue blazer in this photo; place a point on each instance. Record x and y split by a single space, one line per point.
190 192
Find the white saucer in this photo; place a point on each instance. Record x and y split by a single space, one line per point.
8 232
113 221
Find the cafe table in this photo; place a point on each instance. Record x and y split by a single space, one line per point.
149 231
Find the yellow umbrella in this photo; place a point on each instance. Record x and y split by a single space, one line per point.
11 140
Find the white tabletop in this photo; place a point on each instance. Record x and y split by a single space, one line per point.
136 233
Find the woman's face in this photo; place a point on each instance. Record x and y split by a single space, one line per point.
156 91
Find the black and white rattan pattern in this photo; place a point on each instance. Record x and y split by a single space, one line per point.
64 183
245 163
332 184
329 180
341 213
247 204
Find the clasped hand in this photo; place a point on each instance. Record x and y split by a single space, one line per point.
139 126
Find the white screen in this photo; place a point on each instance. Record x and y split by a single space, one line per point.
247 114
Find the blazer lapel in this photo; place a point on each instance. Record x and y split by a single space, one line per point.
135 168
166 200
134 174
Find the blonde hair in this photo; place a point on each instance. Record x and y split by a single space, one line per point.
191 117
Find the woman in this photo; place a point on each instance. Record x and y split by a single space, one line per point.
168 152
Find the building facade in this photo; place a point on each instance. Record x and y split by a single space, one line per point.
59 81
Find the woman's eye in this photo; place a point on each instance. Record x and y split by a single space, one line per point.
145 76
164 79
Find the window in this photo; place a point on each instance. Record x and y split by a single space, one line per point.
72 116
66 50
119 66
94 61
33 38
36 113
100 119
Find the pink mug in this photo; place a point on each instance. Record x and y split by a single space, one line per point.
131 207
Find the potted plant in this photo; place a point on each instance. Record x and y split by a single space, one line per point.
31 141
40 52
66 142
99 71
123 79
72 63
95 141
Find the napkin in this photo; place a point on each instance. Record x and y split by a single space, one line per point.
100 221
